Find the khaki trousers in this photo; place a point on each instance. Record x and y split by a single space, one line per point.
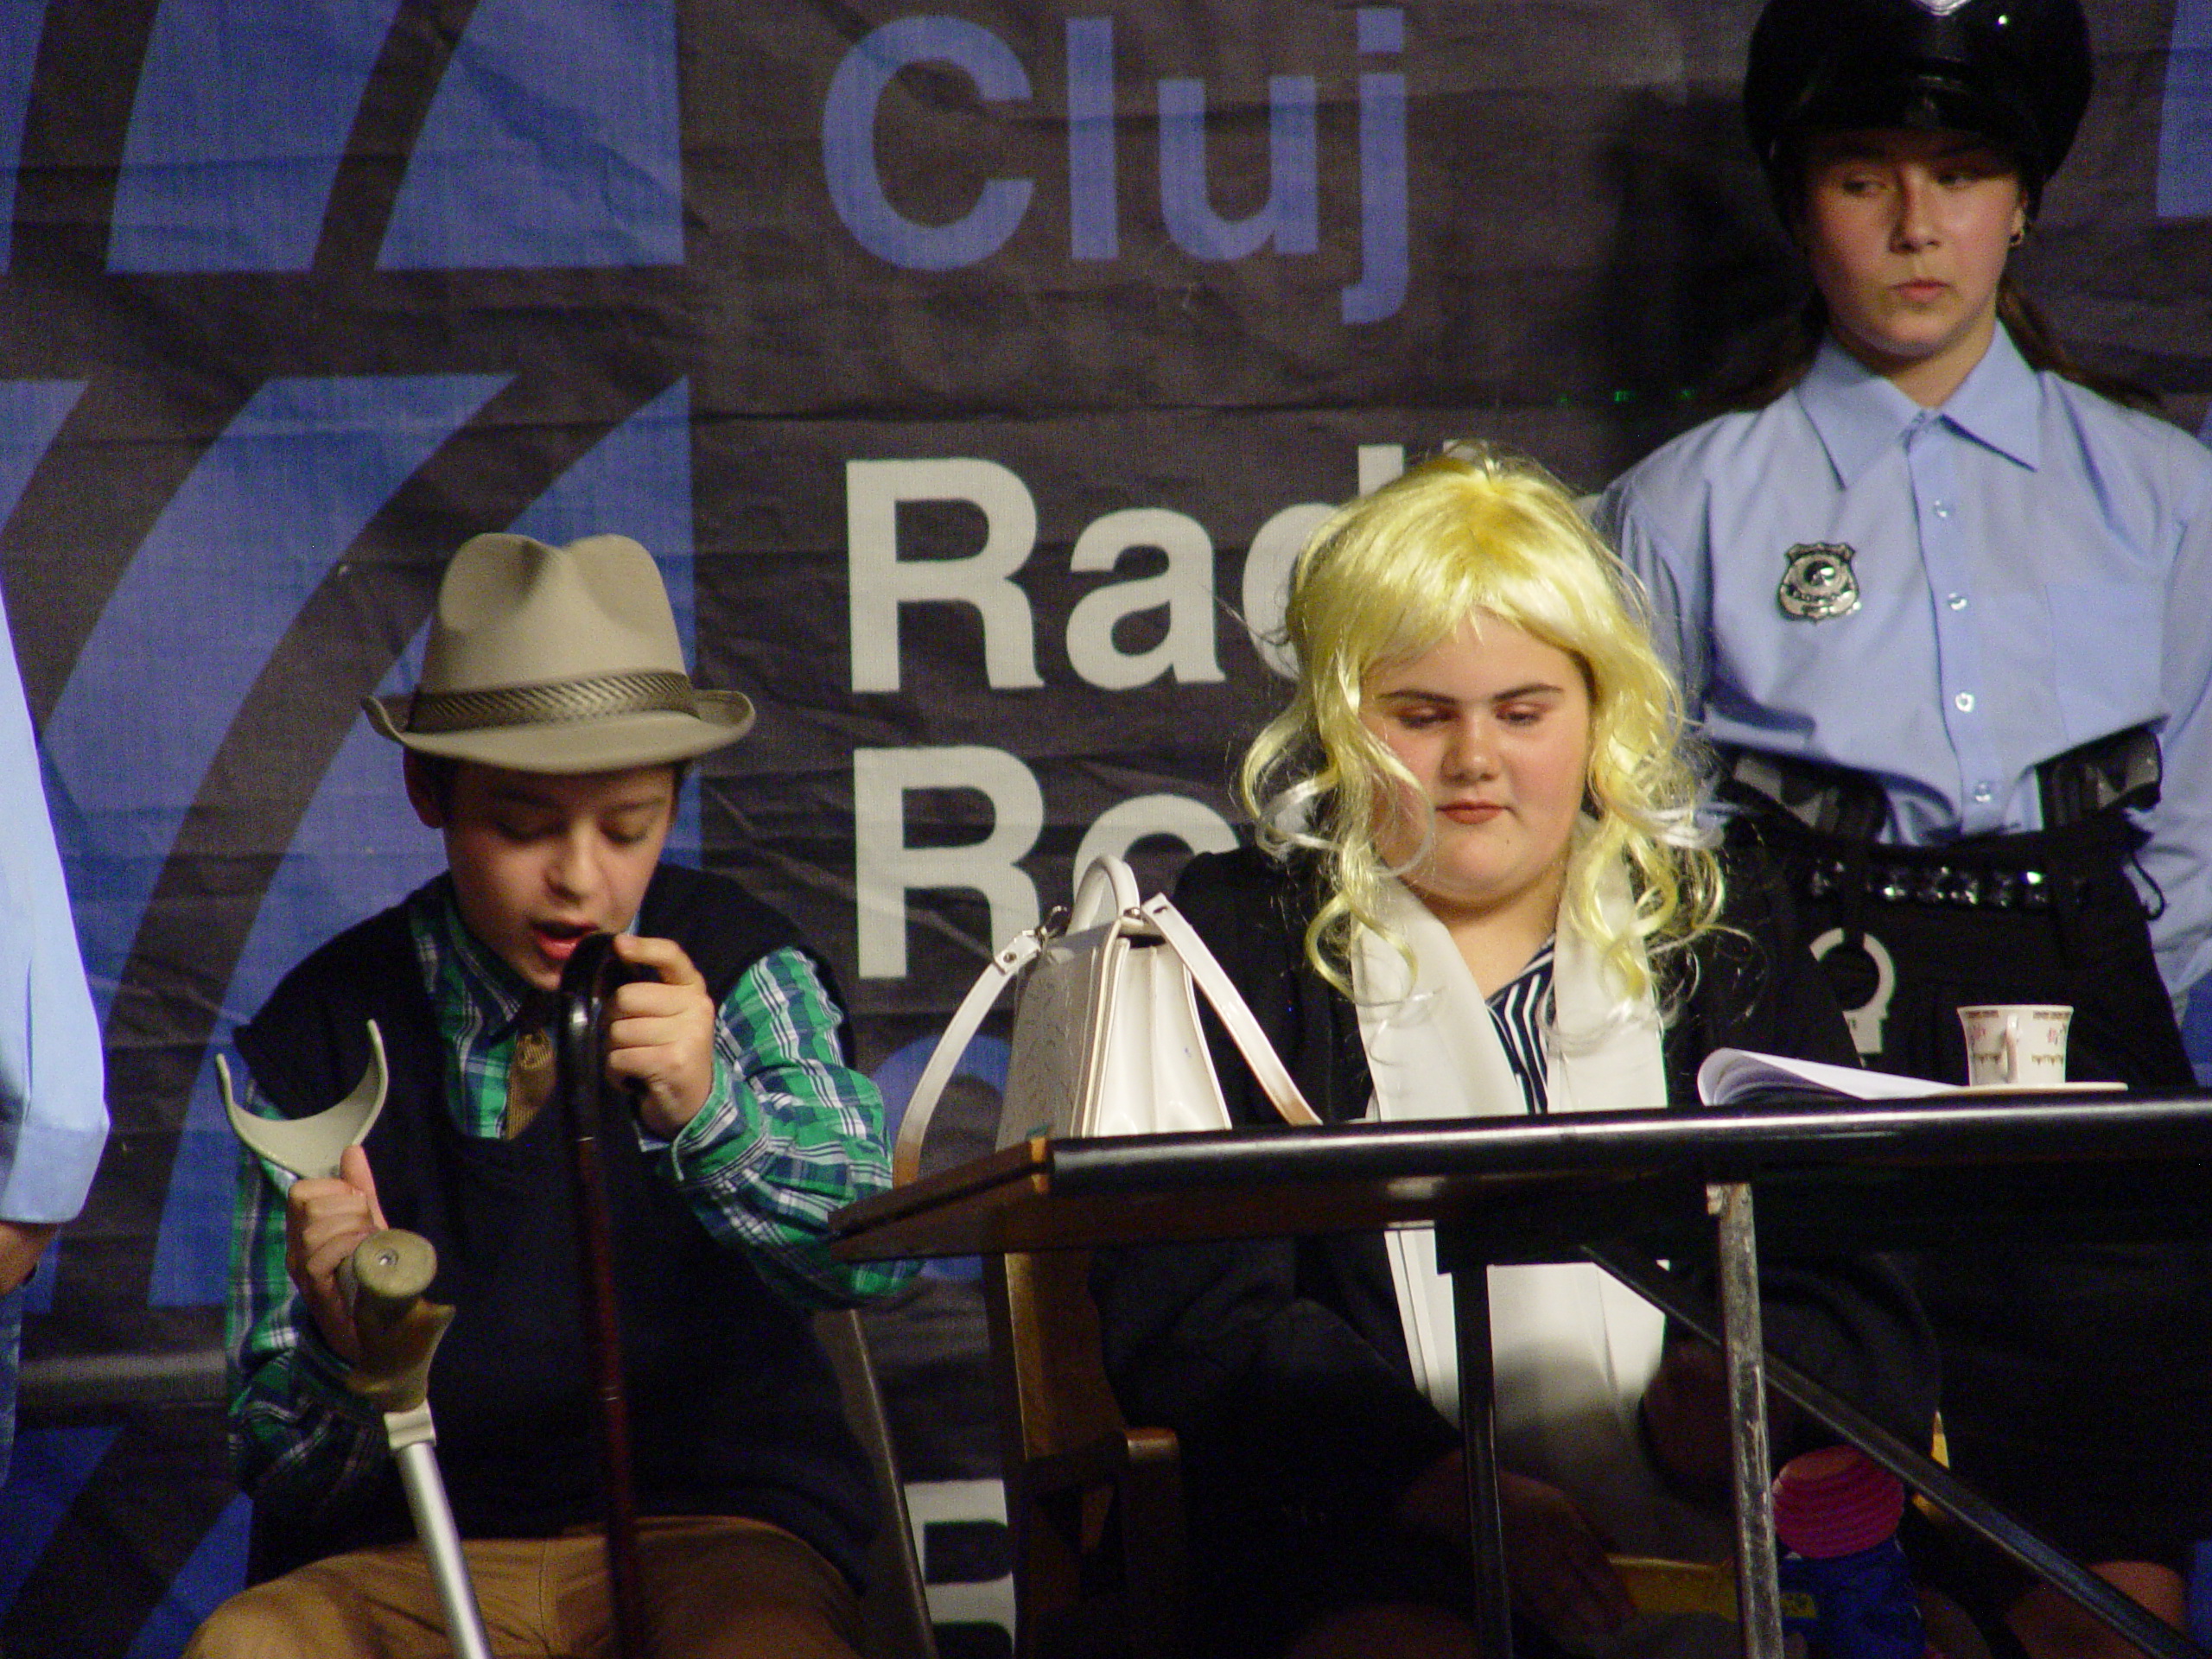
716 1587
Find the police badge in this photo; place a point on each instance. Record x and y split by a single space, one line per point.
1818 582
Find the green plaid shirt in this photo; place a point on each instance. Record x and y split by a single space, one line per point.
788 1135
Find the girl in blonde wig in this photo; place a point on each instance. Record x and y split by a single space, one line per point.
1477 892
1476 532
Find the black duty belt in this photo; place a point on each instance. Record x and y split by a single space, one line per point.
1822 820
1968 888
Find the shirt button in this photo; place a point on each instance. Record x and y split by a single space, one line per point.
1956 602
1963 703
1983 794
1943 509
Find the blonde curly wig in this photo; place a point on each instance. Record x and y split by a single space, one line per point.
1396 573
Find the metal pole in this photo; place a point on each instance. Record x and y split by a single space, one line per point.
1758 1599
1479 1438
399 1332
413 1442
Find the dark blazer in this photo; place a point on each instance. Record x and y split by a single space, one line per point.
1281 1363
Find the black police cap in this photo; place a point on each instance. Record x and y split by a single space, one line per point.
2015 71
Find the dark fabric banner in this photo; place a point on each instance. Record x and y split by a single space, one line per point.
974 372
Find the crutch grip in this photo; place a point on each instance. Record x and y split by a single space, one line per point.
398 1330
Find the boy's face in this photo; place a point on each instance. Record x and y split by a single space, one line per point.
539 860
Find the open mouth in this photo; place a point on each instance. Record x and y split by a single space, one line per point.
558 940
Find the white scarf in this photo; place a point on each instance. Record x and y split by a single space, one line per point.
1574 1348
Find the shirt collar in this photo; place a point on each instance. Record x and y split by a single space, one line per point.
453 955
1858 414
1997 404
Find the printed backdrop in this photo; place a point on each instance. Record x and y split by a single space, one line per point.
973 371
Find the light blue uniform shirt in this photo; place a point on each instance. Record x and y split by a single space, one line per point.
53 1101
2034 567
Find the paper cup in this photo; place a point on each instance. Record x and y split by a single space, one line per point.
2019 1045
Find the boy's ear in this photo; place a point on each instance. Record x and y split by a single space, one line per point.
422 793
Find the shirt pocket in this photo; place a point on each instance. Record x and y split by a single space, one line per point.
2110 648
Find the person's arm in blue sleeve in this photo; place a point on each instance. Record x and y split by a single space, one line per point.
53 1093
1676 584
53 1101
2178 858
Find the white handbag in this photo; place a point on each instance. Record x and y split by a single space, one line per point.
1106 1032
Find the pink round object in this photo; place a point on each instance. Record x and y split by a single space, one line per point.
1835 1501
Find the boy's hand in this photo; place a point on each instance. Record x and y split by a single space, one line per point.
661 1033
324 1221
1555 1559
1554 1556
21 1244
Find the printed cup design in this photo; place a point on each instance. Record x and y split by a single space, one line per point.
2016 1044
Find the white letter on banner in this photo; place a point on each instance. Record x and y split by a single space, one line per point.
1276 546
878 581
886 869
1186 587
1120 826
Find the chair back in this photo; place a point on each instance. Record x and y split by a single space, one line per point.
896 1608
1095 1507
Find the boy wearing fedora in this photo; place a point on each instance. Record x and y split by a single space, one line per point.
545 744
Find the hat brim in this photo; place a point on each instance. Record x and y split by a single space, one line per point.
1927 100
610 743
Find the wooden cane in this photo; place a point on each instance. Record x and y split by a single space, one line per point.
591 971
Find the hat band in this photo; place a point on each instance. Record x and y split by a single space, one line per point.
651 692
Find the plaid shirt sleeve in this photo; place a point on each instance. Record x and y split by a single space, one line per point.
789 1133
297 1434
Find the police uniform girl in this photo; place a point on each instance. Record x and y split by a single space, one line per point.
1932 601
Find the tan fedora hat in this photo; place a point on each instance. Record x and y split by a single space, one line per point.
557 659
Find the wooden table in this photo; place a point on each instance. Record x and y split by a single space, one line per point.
1622 1189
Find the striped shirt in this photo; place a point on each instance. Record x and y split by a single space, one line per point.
1520 1012
789 1133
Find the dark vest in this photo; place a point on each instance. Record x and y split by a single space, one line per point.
733 1407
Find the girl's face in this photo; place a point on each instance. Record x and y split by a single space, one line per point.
1907 234
1494 725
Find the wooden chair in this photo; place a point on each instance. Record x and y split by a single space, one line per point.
1095 1507
896 1608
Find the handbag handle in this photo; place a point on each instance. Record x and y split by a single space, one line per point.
1015 955
1106 879
1235 1015
1109 888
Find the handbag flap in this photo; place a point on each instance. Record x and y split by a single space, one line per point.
1063 1014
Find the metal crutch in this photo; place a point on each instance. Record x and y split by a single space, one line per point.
384 1279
